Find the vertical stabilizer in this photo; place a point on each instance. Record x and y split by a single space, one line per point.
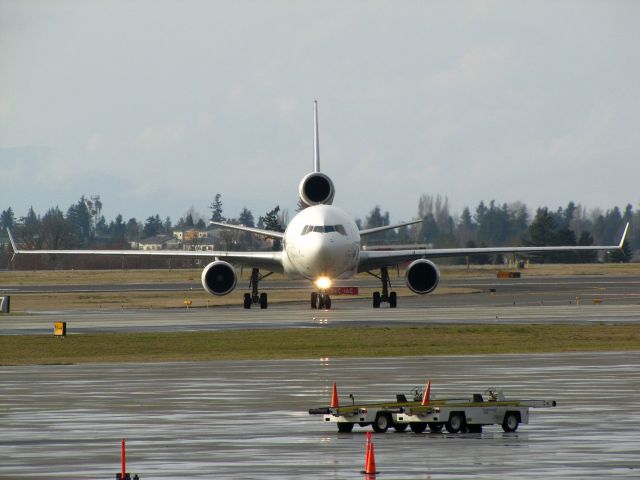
316 142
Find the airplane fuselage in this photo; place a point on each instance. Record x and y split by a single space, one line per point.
321 241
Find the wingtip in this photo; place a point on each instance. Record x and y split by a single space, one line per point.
13 242
624 235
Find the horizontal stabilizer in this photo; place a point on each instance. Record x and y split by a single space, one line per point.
257 231
369 231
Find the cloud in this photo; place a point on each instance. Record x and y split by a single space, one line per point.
480 63
156 139
95 143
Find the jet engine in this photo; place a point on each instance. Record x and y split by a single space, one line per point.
219 278
316 189
422 276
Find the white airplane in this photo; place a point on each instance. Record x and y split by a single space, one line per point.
322 243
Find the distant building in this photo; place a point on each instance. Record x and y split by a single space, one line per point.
190 235
157 242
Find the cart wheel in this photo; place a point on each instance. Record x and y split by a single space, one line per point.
436 427
345 427
455 423
382 423
510 422
400 427
418 427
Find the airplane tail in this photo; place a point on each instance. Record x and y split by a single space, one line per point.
316 141
316 188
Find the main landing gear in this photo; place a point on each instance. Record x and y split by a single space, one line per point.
255 297
378 298
320 301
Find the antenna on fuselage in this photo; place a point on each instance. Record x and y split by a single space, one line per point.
316 142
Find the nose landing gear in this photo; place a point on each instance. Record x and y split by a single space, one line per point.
320 301
255 297
378 298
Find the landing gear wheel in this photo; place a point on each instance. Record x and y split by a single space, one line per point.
418 427
247 300
393 300
436 427
324 302
376 299
455 423
400 427
382 423
345 427
314 302
510 422
263 300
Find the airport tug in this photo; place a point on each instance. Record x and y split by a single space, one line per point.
453 414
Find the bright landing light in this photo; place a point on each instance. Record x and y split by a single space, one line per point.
323 283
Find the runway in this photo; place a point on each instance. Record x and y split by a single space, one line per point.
297 316
567 299
249 419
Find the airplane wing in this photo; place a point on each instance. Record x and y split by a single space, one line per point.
258 231
380 258
271 261
369 231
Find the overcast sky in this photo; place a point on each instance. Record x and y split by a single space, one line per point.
158 105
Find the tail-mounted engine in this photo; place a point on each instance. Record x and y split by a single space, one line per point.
316 189
219 278
422 276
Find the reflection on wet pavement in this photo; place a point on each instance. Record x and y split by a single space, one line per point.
249 419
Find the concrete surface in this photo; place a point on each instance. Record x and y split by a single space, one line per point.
249 419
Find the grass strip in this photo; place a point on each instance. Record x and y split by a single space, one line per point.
316 343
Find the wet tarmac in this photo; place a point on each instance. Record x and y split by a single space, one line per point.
299 316
249 419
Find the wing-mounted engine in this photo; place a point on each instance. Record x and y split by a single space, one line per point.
422 276
219 278
316 189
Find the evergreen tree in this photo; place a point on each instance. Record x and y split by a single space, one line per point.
246 218
7 218
270 222
216 209
542 231
623 255
79 219
586 240
56 233
466 227
152 227
133 230
118 228
377 219
30 231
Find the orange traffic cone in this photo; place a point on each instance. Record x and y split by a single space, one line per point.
427 394
367 451
334 397
369 457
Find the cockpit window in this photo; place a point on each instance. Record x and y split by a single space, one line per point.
324 229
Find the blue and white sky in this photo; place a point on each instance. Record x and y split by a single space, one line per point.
158 105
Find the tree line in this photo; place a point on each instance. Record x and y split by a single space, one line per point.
489 224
